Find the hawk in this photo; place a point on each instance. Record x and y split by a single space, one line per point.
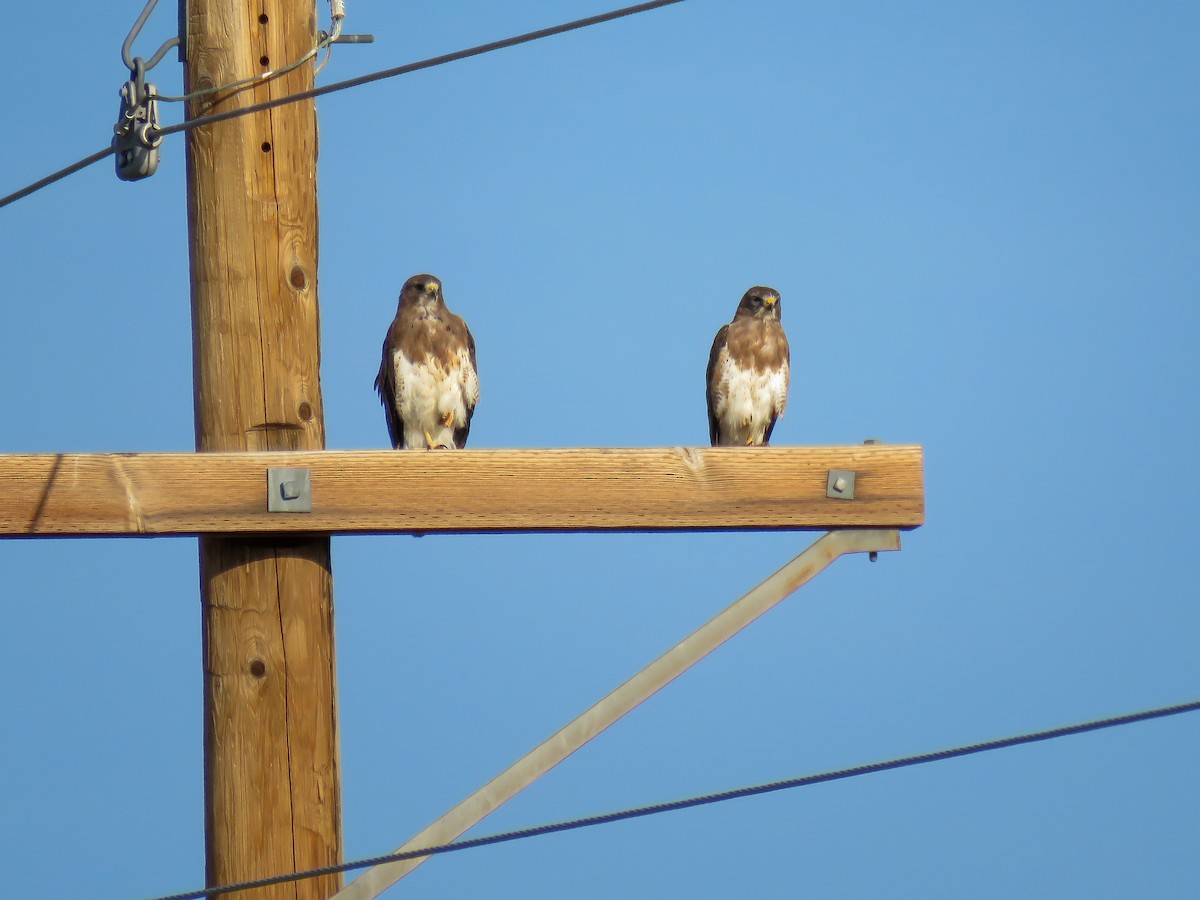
427 380
747 381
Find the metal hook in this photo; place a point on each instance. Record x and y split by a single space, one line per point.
127 47
138 77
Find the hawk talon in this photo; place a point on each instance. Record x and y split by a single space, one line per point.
448 419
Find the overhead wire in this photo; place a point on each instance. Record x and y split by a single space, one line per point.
189 124
430 63
325 43
605 818
337 12
705 799
56 176
337 9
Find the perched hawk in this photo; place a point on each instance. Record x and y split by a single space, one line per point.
747 381
427 381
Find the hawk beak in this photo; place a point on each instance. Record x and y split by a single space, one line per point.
432 287
770 301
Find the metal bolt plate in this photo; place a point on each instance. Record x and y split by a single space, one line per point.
289 490
840 485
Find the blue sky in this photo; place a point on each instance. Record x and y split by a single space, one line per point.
984 221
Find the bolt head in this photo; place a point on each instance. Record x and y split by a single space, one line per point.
840 484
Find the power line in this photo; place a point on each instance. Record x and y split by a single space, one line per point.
705 799
60 174
189 124
417 66
325 43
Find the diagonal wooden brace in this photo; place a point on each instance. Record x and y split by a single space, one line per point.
629 695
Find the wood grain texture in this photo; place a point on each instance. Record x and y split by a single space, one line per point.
271 771
674 488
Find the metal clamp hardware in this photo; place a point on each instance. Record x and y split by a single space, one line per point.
289 490
840 484
135 136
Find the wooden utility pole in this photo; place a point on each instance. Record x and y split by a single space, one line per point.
272 795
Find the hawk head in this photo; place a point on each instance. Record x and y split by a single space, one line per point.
761 303
422 290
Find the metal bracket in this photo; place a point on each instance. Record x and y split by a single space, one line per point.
840 484
184 12
289 490
323 36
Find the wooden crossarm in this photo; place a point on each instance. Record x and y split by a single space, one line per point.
380 491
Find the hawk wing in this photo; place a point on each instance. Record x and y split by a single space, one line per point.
718 359
385 386
471 389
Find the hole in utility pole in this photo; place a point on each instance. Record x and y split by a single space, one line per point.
264 61
263 19
258 668
266 147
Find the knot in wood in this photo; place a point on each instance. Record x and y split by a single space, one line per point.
297 279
